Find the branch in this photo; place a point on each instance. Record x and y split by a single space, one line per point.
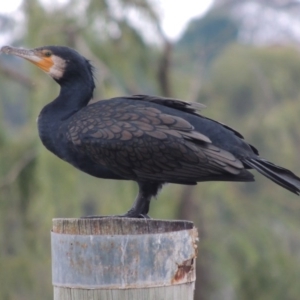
164 69
16 76
17 168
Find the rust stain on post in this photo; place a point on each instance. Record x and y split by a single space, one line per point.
186 270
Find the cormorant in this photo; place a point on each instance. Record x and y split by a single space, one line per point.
148 139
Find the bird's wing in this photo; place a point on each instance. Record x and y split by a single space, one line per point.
142 142
189 107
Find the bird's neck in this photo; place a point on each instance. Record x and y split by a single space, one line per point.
70 100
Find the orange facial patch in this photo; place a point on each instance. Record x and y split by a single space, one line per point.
45 63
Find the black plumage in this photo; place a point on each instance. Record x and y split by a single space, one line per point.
151 140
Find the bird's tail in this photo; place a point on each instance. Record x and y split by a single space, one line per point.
279 175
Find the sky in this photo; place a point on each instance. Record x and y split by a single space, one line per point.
175 14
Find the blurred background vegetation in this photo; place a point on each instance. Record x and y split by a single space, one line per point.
241 59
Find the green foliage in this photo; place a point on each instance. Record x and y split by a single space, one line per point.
254 234
206 37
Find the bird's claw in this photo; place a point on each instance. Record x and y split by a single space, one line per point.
139 216
129 214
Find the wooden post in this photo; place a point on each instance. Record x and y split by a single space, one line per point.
121 258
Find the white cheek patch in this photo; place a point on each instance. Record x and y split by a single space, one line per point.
58 68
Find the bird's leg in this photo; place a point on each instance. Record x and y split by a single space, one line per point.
140 207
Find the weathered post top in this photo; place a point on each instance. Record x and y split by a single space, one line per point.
115 258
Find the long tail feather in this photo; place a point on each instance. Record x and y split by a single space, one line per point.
279 175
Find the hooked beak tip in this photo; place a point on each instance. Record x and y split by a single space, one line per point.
6 49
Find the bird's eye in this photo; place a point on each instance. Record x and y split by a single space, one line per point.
47 53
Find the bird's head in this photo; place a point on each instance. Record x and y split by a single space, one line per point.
63 64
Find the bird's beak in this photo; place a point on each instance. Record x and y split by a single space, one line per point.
33 55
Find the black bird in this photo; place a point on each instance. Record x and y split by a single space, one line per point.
148 139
